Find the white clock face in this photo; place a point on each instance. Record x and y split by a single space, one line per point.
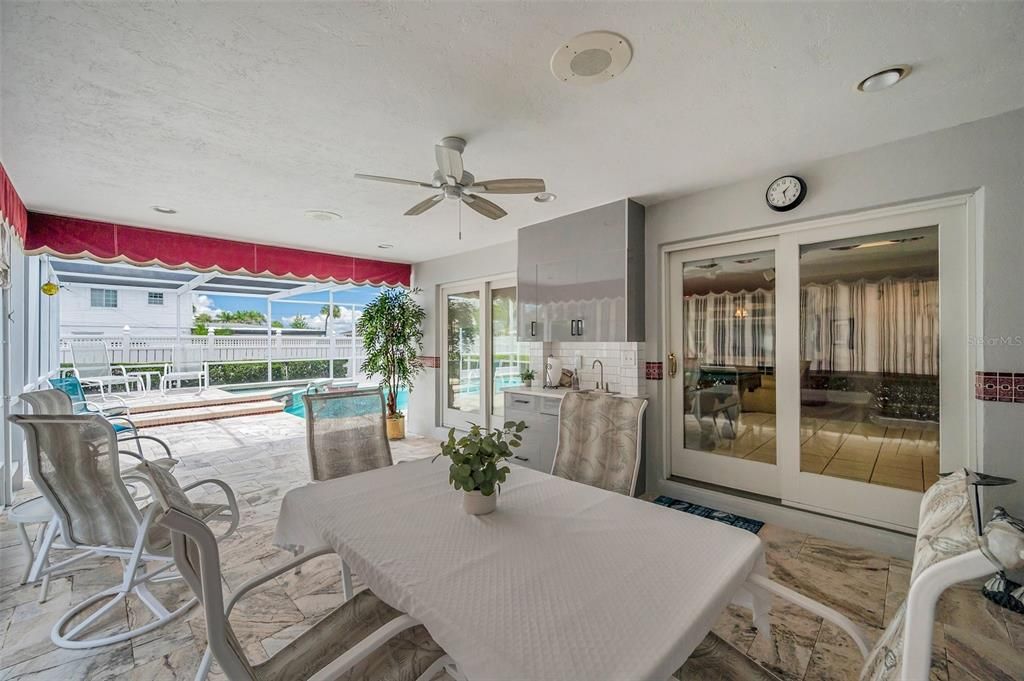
784 192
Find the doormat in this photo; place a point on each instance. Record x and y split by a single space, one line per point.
739 521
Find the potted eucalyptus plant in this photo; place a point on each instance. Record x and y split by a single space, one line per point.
391 327
477 466
527 375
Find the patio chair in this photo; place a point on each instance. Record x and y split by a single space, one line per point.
92 367
74 461
364 638
599 440
61 402
188 365
346 432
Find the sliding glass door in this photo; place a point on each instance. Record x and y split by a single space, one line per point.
806 367
483 357
723 374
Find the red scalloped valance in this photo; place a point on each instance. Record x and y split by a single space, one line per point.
12 210
107 242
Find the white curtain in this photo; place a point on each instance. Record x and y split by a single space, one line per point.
887 326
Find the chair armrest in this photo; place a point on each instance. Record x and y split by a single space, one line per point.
232 503
116 398
123 419
338 668
256 581
163 444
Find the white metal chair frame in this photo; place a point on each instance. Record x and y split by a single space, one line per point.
49 535
135 575
179 370
184 528
116 374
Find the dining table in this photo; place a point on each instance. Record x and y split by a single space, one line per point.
562 582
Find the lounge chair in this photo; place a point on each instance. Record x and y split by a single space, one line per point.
92 367
188 365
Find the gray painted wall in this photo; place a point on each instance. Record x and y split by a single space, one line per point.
986 155
492 261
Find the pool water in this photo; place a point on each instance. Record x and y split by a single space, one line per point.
295 406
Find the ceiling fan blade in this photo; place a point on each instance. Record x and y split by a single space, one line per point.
425 205
395 180
449 162
484 207
518 185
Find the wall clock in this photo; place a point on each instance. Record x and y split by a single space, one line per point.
786 193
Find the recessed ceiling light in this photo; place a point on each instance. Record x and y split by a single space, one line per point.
545 197
883 79
591 58
164 209
385 246
322 215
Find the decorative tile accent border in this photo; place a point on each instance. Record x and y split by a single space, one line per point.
999 386
430 361
654 371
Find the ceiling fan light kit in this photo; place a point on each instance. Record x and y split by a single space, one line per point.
452 181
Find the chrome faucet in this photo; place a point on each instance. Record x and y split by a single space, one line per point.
600 381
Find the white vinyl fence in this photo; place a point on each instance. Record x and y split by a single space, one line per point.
132 350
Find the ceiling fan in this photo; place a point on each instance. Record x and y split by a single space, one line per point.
455 182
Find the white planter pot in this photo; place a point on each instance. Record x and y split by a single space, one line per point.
475 503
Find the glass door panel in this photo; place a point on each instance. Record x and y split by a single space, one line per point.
869 358
508 357
723 331
463 398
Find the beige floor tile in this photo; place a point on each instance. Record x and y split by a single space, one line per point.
852 470
812 463
902 478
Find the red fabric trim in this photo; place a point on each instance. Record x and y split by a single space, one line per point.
105 241
12 210
141 245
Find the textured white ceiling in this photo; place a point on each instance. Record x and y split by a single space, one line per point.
242 115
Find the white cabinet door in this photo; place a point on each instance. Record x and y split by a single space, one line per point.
528 453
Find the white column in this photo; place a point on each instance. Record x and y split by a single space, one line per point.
352 361
270 332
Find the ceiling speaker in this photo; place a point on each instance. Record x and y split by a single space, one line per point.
593 57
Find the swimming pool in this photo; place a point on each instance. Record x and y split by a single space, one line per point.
296 407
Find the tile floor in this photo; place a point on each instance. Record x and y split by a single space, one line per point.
262 457
836 443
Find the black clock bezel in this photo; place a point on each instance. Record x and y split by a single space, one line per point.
799 199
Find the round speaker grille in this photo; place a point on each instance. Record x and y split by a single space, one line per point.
591 58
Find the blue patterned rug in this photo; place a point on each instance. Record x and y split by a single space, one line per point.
739 521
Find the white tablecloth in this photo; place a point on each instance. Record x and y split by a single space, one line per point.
562 582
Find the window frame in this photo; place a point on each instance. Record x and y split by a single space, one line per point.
106 295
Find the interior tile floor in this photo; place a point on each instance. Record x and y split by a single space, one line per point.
262 457
834 441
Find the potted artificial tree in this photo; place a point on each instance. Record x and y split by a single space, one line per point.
477 463
392 333
527 376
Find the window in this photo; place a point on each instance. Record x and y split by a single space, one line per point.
102 297
156 298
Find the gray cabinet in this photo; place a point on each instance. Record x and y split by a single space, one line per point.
581 276
537 450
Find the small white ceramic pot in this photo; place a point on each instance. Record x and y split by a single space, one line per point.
528 383
475 503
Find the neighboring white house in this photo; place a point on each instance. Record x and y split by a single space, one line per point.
93 310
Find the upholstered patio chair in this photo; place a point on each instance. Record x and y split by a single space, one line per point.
346 432
75 462
92 366
362 639
599 440
188 364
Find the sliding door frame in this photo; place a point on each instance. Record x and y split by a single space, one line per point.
959 357
450 418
